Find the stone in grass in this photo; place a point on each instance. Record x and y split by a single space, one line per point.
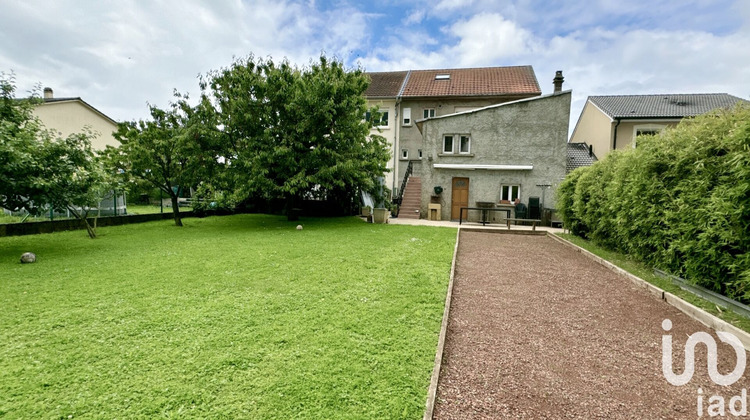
28 258
299 227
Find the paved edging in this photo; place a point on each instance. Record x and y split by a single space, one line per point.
432 390
683 306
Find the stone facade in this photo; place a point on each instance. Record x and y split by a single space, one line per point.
521 143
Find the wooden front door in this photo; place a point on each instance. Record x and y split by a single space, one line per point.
459 196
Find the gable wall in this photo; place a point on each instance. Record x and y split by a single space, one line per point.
71 117
527 133
595 129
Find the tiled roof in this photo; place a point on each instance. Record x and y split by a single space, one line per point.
487 81
662 106
579 155
385 84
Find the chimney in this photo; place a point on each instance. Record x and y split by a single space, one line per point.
558 81
591 152
48 93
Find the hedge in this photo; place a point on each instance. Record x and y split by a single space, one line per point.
679 201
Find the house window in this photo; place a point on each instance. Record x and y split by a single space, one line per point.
646 130
407 116
419 153
448 144
442 77
380 118
510 192
464 144
428 112
404 153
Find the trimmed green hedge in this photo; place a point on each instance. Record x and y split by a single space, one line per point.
679 201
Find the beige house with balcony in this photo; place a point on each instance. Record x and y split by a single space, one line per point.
71 115
614 122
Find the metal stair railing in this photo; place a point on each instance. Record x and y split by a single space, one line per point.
407 174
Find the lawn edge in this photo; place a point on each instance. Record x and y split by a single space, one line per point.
683 306
432 390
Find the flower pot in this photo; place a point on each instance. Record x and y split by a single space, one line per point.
380 215
366 211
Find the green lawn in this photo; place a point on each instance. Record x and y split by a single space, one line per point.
646 273
230 317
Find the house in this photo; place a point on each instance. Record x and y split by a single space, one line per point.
407 96
613 122
493 155
71 115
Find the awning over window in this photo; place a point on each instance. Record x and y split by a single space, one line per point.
471 167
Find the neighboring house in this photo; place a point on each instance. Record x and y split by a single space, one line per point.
579 154
383 93
408 96
613 122
71 115
496 154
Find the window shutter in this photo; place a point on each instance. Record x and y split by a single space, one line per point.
407 116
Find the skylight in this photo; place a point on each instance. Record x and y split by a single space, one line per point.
442 77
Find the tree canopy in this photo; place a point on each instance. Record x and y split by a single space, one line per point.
289 133
41 170
169 152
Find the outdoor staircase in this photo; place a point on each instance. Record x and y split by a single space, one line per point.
411 201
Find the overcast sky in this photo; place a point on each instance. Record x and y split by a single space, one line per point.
120 55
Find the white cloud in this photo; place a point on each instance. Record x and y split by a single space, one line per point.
488 37
118 56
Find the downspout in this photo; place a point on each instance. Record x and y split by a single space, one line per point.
614 142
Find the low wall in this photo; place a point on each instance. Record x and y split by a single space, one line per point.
50 226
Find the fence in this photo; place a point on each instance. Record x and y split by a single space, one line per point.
50 226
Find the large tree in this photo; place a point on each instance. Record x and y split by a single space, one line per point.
169 152
289 132
41 170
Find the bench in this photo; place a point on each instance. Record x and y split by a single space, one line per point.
533 222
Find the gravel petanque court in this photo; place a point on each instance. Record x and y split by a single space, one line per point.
537 330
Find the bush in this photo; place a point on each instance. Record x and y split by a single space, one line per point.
679 201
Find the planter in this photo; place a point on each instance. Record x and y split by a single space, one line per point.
435 199
380 215
366 211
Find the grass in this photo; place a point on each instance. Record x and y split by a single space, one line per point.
232 317
646 273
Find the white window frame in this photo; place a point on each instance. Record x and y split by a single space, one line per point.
428 112
384 115
510 192
460 138
404 154
646 127
406 117
453 144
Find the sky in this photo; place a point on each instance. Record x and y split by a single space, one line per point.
119 56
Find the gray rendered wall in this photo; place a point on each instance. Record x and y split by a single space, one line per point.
528 132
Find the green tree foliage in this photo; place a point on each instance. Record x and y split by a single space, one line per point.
170 152
680 201
288 133
39 169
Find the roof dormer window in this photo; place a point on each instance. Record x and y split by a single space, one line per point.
442 77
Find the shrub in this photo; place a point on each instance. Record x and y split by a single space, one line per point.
680 201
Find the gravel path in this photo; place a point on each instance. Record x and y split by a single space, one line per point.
537 330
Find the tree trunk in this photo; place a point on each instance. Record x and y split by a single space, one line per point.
83 217
176 210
